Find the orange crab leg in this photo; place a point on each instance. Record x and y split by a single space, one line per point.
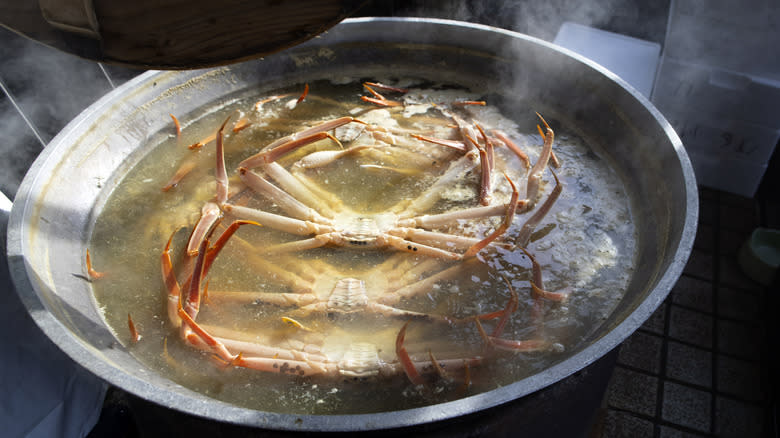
510 344
216 346
181 172
524 236
508 217
134 335
403 356
386 87
454 144
203 142
553 158
176 125
241 124
374 93
514 148
535 175
222 241
380 102
469 102
221 173
259 104
488 146
93 274
538 286
277 152
171 283
511 307
304 94
192 300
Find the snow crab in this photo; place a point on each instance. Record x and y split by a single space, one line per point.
337 351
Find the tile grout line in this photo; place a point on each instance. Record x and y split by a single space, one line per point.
21 113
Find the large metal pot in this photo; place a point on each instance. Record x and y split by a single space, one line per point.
66 187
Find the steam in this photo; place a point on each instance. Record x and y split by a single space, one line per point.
41 90
541 19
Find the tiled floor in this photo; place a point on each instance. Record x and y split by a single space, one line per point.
699 367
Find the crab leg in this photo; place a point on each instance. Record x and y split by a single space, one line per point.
210 215
323 158
171 284
458 145
285 201
511 344
537 285
294 141
443 219
510 215
511 307
487 158
190 301
403 357
524 236
426 200
415 247
514 148
486 182
278 222
420 286
535 175
221 173
434 238
275 298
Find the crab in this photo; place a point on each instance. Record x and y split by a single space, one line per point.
324 220
337 353
441 243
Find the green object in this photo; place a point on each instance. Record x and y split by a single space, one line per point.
759 256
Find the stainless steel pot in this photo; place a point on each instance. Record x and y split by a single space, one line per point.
64 190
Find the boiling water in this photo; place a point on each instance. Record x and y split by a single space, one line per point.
584 245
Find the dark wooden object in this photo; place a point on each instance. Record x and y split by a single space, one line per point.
173 34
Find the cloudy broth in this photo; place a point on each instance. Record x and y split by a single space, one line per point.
585 247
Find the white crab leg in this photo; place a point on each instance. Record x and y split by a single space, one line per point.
292 141
299 282
420 286
435 238
334 204
426 200
272 360
300 189
317 241
323 158
285 201
277 222
443 219
275 298
414 247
